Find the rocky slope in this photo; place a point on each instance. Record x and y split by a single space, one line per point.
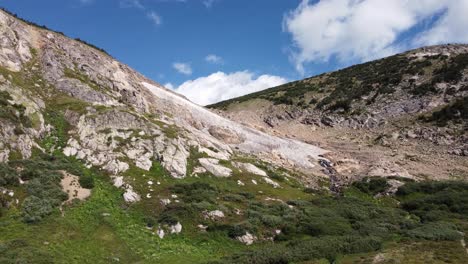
386 117
116 113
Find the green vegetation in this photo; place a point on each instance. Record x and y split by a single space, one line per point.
372 185
43 193
313 226
363 83
338 90
457 112
331 227
450 72
13 112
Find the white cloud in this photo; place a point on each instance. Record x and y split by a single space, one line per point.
215 59
451 27
222 86
131 3
183 68
154 17
361 30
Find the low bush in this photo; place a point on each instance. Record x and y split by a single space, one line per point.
372 185
458 111
8 176
329 247
196 192
35 208
436 231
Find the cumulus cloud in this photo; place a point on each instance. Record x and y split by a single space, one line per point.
183 68
360 30
215 59
221 86
154 17
451 26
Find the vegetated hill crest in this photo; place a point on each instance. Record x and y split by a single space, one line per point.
414 102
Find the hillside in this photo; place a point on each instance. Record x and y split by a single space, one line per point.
385 117
99 164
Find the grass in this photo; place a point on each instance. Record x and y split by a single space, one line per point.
105 229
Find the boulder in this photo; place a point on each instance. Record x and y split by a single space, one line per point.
160 233
131 196
247 239
250 168
176 229
118 181
212 165
271 182
213 215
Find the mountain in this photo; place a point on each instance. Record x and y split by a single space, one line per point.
99 164
405 115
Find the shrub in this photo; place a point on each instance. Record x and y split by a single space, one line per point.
237 231
457 111
196 192
8 176
35 208
436 231
435 200
372 185
87 181
168 219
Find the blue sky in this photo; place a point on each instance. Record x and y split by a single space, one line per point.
211 50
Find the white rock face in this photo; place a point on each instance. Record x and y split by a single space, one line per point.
271 182
118 181
278 150
247 239
250 168
161 233
131 196
213 215
116 166
165 201
175 159
198 170
212 165
176 229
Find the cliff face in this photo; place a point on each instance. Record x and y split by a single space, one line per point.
117 116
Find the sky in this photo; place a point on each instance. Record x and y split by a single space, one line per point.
213 50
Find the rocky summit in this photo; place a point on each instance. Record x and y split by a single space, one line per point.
99 164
